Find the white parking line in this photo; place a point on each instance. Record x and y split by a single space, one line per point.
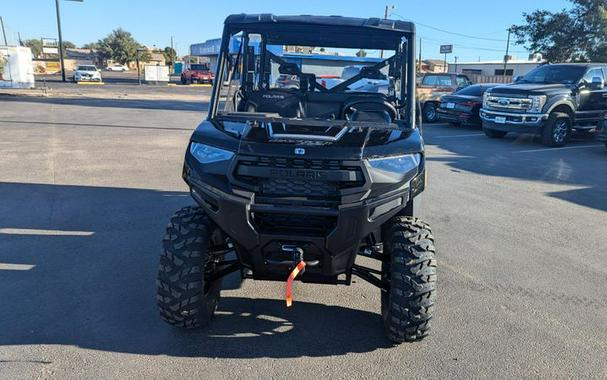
554 149
4 266
30 231
456 136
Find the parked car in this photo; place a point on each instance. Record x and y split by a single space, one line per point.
328 81
117 67
431 89
364 84
197 73
463 106
86 73
550 101
601 131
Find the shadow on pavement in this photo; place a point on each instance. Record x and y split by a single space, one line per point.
87 260
118 126
523 157
173 105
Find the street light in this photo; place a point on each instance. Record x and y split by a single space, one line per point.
60 37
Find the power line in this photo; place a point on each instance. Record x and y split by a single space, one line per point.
449 32
438 42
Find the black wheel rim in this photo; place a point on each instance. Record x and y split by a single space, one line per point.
430 112
560 130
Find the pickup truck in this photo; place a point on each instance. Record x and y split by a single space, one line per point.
197 73
432 87
551 101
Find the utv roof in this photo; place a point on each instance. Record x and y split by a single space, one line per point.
329 31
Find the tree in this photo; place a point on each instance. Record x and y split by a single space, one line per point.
121 47
68 45
169 55
575 34
361 53
35 45
91 46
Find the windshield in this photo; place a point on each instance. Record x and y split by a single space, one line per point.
87 68
317 82
554 74
200 67
475 90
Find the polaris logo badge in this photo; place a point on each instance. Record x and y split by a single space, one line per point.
298 173
300 151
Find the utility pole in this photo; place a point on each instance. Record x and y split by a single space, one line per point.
456 64
3 31
420 56
60 41
19 36
139 50
390 7
506 56
172 56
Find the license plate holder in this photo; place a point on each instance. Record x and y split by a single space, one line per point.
500 120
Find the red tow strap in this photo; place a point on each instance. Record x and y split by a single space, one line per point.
289 294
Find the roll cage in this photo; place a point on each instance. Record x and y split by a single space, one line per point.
333 31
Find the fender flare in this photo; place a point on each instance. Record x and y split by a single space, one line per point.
563 102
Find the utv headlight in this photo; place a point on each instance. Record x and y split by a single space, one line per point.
537 103
206 154
394 169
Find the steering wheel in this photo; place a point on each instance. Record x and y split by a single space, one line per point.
368 106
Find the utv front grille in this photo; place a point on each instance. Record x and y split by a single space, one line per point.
295 177
298 225
298 188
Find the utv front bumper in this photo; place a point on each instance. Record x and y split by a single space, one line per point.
330 237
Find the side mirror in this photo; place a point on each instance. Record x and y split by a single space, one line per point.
516 79
597 83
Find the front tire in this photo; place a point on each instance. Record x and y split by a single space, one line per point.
185 297
557 130
429 114
407 306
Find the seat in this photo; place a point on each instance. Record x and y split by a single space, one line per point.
283 102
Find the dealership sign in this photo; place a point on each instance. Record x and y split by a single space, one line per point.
446 49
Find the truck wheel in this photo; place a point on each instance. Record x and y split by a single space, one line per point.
493 134
429 114
185 297
407 306
557 130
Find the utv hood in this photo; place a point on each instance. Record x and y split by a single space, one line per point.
309 138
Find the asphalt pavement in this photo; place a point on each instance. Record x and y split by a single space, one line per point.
87 187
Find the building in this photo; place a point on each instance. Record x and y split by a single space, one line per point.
310 60
514 68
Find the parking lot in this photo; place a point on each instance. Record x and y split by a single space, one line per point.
87 185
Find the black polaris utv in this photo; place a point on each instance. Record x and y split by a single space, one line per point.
305 179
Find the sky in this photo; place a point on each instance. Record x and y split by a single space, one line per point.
153 22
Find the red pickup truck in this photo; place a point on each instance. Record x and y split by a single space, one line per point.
197 73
